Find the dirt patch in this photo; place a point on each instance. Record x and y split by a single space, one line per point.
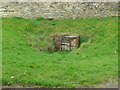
20 86
112 83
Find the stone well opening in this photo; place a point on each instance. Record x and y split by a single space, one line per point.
66 42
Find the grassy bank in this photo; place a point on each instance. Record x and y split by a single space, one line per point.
96 61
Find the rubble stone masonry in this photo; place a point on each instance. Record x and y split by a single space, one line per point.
59 10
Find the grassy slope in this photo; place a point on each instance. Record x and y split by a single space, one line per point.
87 66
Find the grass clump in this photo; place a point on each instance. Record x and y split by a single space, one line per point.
40 18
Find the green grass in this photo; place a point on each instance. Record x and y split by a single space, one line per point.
90 65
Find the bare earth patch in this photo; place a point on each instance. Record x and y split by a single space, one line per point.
109 84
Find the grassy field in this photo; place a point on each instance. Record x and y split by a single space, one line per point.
25 64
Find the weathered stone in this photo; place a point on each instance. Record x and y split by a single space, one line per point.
59 10
66 42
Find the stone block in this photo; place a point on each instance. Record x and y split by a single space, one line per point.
66 42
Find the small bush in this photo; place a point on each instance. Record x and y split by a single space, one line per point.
40 18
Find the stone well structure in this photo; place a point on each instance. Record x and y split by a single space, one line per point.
66 42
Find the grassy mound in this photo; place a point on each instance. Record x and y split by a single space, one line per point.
94 62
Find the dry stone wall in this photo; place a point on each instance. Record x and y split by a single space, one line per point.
59 10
